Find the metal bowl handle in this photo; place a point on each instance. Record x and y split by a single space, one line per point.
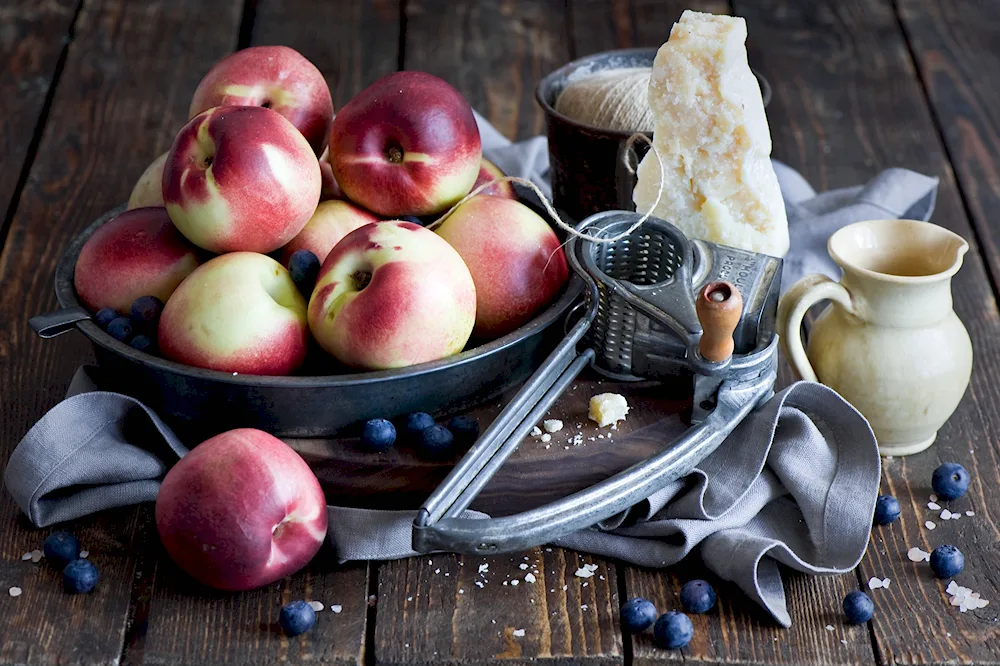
51 324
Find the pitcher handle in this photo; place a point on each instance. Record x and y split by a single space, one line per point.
792 308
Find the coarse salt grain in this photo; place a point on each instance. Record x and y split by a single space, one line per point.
945 514
84 554
586 571
36 556
917 555
336 608
929 525
933 506
885 583
552 425
933 497
874 583
584 607
529 577
483 568
518 632
479 584
514 582
829 627
970 513
26 557
316 605
523 566
14 591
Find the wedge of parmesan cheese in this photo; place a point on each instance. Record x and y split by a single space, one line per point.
712 138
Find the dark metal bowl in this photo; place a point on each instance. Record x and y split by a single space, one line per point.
587 163
201 402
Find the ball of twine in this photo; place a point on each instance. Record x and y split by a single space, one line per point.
615 99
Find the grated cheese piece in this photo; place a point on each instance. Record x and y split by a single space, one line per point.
607 409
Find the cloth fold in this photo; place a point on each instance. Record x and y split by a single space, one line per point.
794 485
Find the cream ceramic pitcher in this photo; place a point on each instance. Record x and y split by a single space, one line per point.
890 342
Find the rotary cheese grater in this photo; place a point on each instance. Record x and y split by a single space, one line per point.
656 306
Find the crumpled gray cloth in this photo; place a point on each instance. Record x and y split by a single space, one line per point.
812 217
794 484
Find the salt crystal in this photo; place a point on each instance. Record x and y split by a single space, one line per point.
917 555
479 584
26 557
518 632
829 627
929 525
483 568
514 582
933 506
461 591
586 571
409 598
336 608
523 566
14 591
565 587
437 571
316 605
536 431
874 583
529 577
84 554
844 641
585 584
36 556
933 497
970 513
946 514
584 607
552 425
505 582
885 583
952 586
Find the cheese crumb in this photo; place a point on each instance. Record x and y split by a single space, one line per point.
552 425
536 431
586 571
546 437
607 409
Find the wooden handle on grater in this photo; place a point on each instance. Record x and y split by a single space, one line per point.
719 307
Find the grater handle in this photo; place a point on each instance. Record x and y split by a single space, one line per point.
581 510
719 307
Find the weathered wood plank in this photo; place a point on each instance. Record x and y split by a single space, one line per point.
494 53
847 103
122 95
955 47
353 42
431 610
33 37
603 25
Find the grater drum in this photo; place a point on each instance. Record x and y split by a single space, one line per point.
651 308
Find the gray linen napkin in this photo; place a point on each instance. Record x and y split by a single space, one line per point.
795 483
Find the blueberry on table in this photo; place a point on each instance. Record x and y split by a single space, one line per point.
435 442
104 316
61 548
120 328
297 618
697 596
80 577
378 435
146 311
464 428
673 630
637 615
950 481
417 422
142 343
886 510
858 607
947 561
304 266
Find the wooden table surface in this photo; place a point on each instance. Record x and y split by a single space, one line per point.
92 90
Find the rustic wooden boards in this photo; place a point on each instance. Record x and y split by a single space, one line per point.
847 103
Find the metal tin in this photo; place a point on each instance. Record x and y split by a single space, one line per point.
201 402
590 171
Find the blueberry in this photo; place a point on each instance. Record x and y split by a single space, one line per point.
637 615
417 422
146 311
947 561
80 577
104 316
296 618
61 548
464 428
120 328
950 481
697 596
435 442
673 630
303 266
886 510
142 343
378 435
858 607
